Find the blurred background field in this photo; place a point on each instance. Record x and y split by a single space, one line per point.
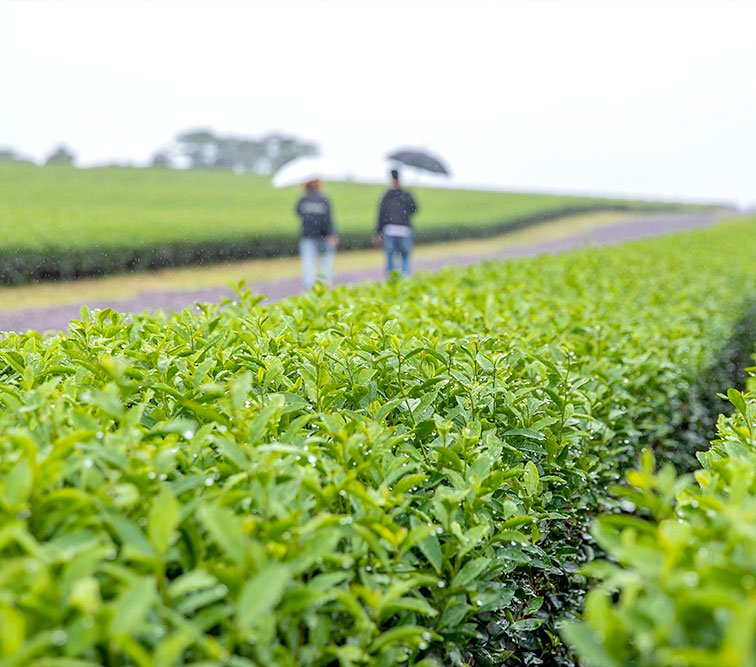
262 270
60 222
61 207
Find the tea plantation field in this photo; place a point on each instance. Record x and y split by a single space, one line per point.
389 474
61 222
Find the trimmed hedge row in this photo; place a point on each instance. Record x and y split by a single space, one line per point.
680 587
381 475
29 264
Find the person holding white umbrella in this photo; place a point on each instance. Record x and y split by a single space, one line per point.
318 239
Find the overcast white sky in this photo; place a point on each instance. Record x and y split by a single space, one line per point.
656 98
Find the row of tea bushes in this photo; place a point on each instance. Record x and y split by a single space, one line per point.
680 589
387 474
36 263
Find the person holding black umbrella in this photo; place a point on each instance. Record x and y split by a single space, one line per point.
394 226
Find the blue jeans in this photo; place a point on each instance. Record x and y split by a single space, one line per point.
312 250
401 245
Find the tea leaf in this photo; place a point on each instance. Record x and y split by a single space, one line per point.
131 607
163 519
259 595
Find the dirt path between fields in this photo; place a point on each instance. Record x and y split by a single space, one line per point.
57 318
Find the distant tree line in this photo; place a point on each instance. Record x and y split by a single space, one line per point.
60 155
204 149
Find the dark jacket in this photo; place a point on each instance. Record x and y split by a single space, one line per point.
315 211
396 207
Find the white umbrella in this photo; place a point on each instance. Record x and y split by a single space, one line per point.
308 169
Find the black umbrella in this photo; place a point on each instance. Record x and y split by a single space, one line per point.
420 160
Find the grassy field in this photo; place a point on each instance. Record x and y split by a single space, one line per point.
67 208
62 223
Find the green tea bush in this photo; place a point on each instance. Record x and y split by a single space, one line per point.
380 475
680 589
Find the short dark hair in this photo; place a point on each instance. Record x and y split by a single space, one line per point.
395 174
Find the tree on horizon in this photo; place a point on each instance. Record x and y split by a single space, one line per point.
202 148
61 155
